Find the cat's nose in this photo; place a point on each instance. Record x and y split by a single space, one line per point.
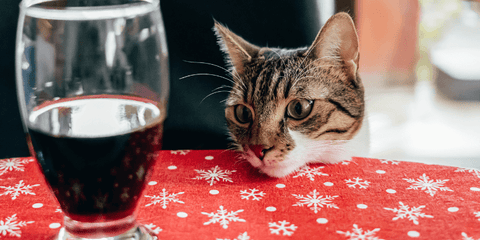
259 150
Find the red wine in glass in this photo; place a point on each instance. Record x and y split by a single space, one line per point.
95 152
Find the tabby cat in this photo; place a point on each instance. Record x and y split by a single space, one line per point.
288 108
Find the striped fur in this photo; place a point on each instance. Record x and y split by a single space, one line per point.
266 80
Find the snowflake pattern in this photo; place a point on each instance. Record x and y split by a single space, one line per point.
19 188
347 162
164 198
477 214
214 174
387 161
466 237
153 228
242 236
310 173
357 182
359 234
13 164
431 186
411 213
12 227
180 152
287 230
254 193
223 217
314 201
475 172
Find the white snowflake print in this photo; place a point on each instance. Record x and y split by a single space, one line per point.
475 172
430 186
287 230
164 198
214 174
12 227
466 237
153 228
254 193
411 213
181 152
314 201
357 182
310 173
477 214
347 162
13 164
19 188
387 161
223 217
242 236
359 234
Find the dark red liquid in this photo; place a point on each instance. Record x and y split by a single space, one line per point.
97 178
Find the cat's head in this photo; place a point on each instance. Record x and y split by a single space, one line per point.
288 108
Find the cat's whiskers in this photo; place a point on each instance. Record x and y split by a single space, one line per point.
223 86
236 80
233 90
207 74
207 63
220 91
241 158
227 149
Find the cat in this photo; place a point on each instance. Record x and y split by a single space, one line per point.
289 108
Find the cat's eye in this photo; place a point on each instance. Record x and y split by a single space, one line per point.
242 114
299 109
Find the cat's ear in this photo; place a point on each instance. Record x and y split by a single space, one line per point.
239 51
338 40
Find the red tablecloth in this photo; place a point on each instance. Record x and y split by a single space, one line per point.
214 195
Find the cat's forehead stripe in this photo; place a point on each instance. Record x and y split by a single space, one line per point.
273 78
276 86
263 84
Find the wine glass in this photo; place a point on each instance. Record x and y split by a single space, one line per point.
93 83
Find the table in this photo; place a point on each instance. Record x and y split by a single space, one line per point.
213 194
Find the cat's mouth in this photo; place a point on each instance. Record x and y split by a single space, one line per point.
272 162
251 156
277 168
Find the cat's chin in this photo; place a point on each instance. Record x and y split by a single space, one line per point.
277 170
281 170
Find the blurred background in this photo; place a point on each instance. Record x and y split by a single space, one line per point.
420 64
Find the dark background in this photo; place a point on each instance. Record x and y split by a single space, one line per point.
191 122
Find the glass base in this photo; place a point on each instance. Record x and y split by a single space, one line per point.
123 229
136 233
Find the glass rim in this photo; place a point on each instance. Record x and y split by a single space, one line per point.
88 13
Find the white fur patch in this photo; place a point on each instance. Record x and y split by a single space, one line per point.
314 151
